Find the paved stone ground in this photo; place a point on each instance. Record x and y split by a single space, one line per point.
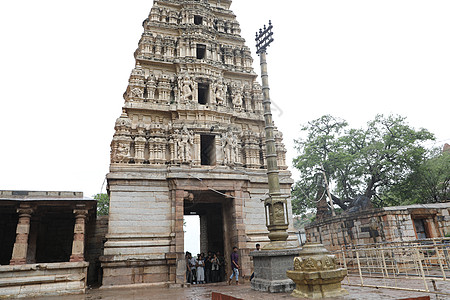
243 291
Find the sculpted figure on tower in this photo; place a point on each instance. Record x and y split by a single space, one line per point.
187 90
185 145
221 93
230 148
237 96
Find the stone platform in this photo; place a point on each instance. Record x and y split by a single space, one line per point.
33 280
270 270
243 291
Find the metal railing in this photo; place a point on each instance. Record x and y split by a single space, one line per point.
421 265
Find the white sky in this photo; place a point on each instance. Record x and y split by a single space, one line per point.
192 234
64 66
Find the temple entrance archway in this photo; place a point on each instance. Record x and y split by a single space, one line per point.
216 229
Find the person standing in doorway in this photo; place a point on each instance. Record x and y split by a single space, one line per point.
258 248
193 265
234 266
215 268
208 271
188 268
222 266
200 269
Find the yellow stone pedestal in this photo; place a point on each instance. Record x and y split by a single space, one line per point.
316 274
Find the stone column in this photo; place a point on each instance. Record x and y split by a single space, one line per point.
180 271
19 255
32 239
78 235
240 240
196 158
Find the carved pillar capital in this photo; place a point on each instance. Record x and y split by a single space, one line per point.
80 213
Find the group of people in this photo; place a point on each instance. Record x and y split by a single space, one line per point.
209 269
203 269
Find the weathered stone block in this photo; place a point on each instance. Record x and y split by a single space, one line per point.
270 270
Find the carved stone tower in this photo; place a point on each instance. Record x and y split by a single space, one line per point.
190 140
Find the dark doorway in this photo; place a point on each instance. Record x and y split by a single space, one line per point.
8 225
55 237
208 150
203 93
421 231
198 20
201 51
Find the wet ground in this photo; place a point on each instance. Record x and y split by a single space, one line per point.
243 291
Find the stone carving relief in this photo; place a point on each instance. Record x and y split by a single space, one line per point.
278 211
137 92
139 145
237 96
122 153
182 143
151 87
329 262
257 97
251 149
123 124
226 94
164 88
187 89
315 263
309 264
230 148
221 93
175 140
247 98
297 264
281 150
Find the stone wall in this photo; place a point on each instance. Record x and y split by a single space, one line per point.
145 239
43 279
94 248
390 224
139 229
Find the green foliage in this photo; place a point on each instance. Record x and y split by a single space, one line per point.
429 183
368 161
303 220
102 204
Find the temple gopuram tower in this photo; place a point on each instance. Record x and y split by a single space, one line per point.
189 141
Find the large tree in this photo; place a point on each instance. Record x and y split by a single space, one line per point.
367 161
430 183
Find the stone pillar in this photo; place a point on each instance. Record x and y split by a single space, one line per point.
78 235
240 239
180 271
197 150
32 240
204 234
19 255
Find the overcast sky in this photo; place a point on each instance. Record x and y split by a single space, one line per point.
64 66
